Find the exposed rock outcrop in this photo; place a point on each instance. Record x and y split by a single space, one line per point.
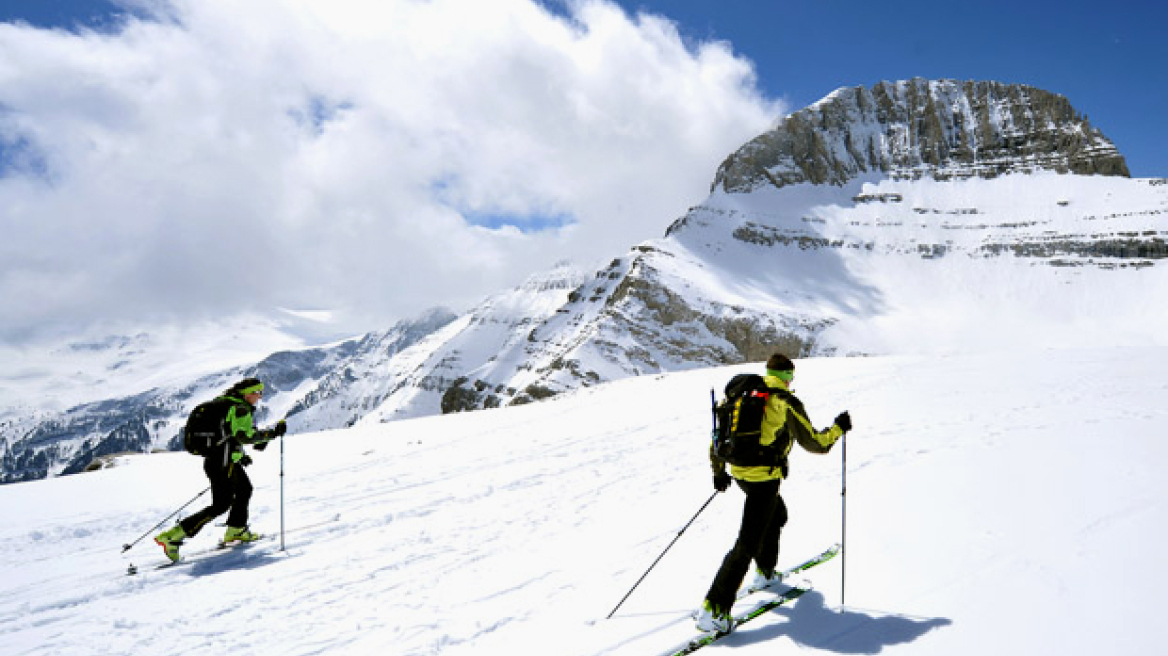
938 128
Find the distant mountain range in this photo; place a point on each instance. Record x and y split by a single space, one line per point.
907 215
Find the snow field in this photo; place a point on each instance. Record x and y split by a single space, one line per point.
991 498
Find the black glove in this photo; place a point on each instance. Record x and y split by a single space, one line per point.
280 429
260 446
722 481
245 460
844 421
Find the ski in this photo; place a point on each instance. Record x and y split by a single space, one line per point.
828 554
200 553
220 546
786 596
789 595
711 637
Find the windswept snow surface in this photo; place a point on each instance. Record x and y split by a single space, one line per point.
1004 503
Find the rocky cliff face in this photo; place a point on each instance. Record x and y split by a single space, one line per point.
942 129
641 314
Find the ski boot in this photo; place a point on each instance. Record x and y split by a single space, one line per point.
239 536
170 540
714 619
763 581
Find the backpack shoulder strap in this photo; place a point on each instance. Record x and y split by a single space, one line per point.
789 398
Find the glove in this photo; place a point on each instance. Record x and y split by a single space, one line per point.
844 421
722 481
241 458
280 429
260 446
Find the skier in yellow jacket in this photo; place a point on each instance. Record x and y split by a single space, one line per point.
764 514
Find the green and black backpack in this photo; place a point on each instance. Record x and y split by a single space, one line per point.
206 427
738 423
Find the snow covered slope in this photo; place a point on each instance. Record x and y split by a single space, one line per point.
1005 501
912 266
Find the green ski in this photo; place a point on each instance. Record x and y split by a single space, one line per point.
828 554
788 595
713 636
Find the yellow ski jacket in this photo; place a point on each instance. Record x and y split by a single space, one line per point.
784 420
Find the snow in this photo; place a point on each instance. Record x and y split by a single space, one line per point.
888 298
1002 500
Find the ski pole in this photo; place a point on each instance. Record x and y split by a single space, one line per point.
127 547
691 521
844 524
282 495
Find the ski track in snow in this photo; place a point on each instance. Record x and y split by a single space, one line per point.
517 530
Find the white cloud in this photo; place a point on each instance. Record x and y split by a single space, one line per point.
281 153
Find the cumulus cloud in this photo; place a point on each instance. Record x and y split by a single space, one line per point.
372 158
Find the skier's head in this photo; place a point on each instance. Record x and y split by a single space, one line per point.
781 367
251 389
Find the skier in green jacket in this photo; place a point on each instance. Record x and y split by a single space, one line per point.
224 466
764 514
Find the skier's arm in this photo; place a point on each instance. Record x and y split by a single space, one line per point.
804 432
721 478
264 436
716 463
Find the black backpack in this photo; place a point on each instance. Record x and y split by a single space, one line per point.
205 427
738 423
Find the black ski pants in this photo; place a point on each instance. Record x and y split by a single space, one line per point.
763 516
230 490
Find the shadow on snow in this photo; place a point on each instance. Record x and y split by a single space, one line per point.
811 624
238 558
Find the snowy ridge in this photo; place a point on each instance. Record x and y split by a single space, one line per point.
984 490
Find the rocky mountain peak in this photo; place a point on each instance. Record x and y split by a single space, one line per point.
911 129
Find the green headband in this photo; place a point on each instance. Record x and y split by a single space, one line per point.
784 376
258 387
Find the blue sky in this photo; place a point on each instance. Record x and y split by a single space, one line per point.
67 14
1109 58
506 136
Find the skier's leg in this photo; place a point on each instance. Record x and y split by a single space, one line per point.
768 553
222 493
756 513
241 485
